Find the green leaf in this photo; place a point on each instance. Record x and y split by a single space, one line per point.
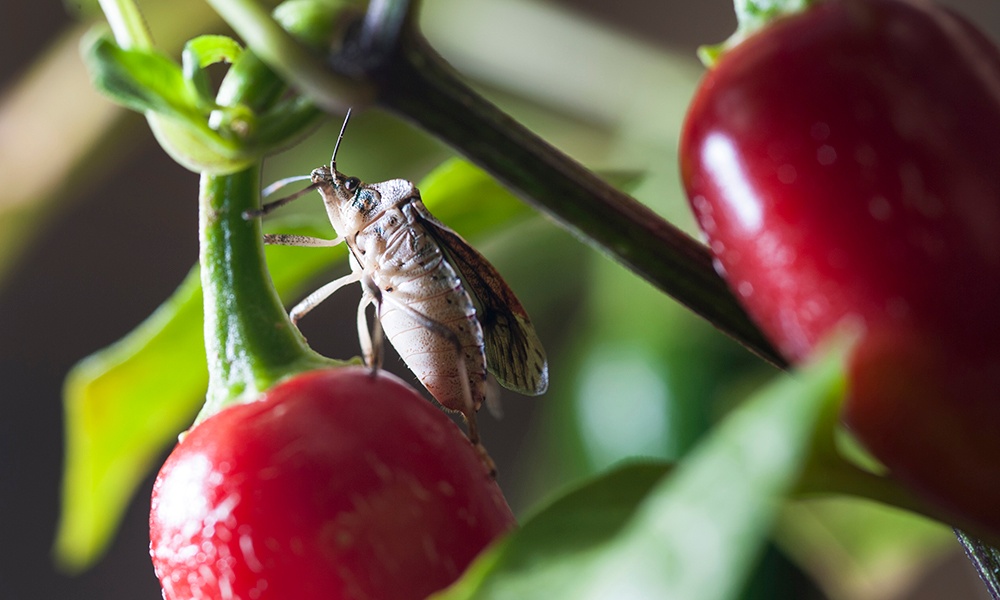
126 403
151 83
472 202
220 136
123 405
201 52
695 534
143 80
206 50
538 560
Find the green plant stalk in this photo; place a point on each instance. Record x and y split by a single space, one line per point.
249 340
842 478
417 84
127 24
751 17
291 59
985 559
839 477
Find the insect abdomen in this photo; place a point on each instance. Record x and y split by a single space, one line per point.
428 315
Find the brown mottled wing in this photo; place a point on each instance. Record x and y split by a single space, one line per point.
514 354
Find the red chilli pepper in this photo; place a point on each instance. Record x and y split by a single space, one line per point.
336 484
844 163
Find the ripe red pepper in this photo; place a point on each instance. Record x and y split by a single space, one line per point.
336 484
843 164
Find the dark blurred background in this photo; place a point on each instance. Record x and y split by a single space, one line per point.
121 238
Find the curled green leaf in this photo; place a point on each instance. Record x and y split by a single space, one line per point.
206 50
201 52
151 83
143 80
225 134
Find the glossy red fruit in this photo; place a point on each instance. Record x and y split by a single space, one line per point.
844 162
931 414
335 485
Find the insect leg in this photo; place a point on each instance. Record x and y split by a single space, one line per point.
270 206
371 340
289 239
312 300
492 400
377 339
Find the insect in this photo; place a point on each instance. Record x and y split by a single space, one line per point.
445 309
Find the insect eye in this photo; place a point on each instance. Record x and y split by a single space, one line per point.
352 184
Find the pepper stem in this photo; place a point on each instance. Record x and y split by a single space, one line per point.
751 16
250 342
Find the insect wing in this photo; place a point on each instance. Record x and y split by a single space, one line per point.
514 354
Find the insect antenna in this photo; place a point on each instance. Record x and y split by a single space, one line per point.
333 159
277 185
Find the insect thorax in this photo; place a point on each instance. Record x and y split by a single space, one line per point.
397 245
353 209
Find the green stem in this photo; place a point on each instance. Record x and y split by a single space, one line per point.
755 14
985 559
830 474
249 340
127 24
751 17
291 59
843 478
419 85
